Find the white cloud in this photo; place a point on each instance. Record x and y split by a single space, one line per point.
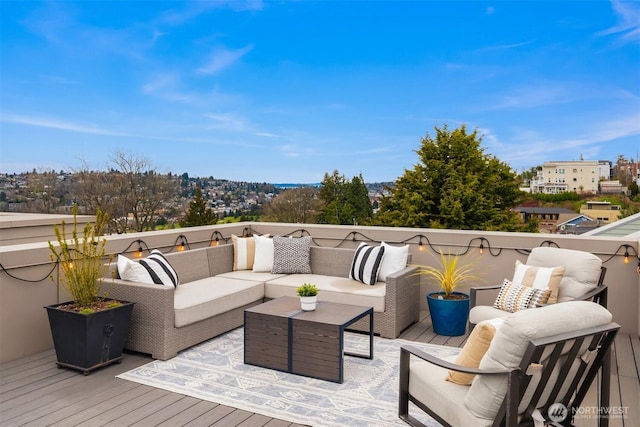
222 58
57 124
628 25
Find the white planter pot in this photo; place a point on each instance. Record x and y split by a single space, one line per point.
308 303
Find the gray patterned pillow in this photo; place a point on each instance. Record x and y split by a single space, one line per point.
291 255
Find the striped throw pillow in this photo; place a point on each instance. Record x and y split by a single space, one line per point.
154 269
366 263
244 252
539 278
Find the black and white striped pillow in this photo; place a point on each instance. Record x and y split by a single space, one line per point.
159 269
366 263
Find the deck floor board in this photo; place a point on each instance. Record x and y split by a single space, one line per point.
33 392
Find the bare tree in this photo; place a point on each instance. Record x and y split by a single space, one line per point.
132 192
296 205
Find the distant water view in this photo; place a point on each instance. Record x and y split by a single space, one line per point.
289 185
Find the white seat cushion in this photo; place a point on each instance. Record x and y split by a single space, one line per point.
512 338
485 312
330 288
205 298
250 275
427 382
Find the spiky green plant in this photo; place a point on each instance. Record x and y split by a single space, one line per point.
450 274
81 259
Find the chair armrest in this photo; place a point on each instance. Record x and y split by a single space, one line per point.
411 350
473 291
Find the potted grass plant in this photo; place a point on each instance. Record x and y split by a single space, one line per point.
90 330
448 307
308 294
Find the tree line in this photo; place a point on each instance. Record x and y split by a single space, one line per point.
454 184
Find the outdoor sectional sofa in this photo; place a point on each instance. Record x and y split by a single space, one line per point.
212 296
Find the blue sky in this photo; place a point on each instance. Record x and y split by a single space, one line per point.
284 91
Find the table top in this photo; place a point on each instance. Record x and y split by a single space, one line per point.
325 312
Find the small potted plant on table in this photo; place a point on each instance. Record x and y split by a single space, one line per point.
308 294
89 331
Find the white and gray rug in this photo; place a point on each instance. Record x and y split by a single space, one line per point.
215 371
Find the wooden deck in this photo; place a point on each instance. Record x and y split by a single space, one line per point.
34 393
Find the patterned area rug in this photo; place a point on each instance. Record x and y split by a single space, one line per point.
214 371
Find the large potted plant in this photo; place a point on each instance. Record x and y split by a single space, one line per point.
449 308
89 331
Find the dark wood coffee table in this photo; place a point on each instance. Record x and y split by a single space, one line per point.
279 335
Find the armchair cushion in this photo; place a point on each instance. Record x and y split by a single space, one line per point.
539 277
511 340
582 269
428 384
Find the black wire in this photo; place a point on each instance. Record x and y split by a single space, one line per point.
53 268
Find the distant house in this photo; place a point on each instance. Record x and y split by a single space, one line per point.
547 217
604 212
575 224
580 176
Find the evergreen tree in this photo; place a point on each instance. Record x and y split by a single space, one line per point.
344 202
199 213
454 185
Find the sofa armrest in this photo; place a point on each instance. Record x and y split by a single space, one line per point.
154 303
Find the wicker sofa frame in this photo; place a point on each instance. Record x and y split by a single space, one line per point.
152 328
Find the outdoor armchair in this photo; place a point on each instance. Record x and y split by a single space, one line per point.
539 365
579 276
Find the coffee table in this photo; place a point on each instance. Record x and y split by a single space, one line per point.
279 335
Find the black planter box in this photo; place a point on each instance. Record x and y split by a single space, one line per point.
86 342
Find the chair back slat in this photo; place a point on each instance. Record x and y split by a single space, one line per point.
564 377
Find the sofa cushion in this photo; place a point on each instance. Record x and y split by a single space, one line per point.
205 298
291 255
394 259
263 260
540 277
512 338
244 252
250 275
582 269
330 288
154 269
366 262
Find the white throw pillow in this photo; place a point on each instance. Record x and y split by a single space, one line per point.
263 261
394 259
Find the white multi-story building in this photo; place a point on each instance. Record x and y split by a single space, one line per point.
581 176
